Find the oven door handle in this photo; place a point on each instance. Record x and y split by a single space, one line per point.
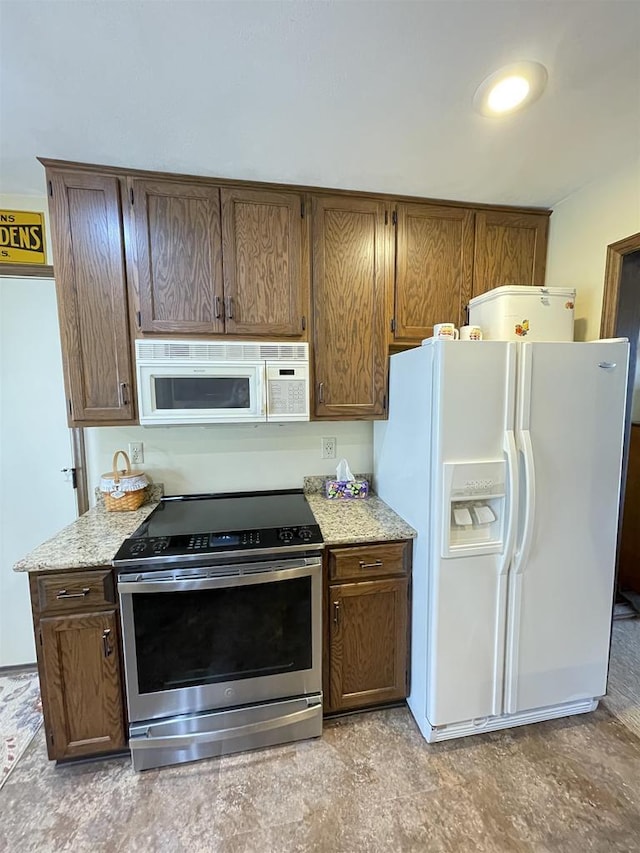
151 741
187 584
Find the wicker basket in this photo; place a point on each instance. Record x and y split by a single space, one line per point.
123 491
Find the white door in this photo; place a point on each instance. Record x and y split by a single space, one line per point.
569 425
36 499
473 412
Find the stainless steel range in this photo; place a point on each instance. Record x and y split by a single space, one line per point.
220 602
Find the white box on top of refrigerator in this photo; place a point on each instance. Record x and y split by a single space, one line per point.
524 313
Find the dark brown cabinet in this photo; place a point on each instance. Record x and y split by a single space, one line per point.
178 256
143 254
216 261
434 268
350 270
367 625
510 248
91 288
79 662
265 262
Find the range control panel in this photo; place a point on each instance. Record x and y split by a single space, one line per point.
173 547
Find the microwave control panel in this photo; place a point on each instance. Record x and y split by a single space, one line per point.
287 392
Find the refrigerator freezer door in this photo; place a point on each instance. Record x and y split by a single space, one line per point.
569 429
473 410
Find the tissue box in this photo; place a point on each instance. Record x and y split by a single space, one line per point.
346 489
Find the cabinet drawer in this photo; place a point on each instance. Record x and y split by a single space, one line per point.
368 561
72 592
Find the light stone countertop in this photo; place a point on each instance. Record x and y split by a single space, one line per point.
90 540
93 538
343 522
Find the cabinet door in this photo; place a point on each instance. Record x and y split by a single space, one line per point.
178 256
81 672
511 248
265 277
91 288
349 263
434 268
368 643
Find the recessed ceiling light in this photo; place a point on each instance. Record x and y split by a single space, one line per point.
510 88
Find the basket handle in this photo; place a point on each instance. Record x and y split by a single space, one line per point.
116 478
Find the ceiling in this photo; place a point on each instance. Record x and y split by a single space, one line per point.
362 95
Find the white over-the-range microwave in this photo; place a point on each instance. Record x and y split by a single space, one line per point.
207 382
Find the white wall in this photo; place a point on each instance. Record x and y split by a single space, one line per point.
228 457
581 228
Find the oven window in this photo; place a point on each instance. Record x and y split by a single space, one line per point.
185 639
202 392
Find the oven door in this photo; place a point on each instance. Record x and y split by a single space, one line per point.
192 394
220 637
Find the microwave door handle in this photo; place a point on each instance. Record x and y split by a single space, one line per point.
265 409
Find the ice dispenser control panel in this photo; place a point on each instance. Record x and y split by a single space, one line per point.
474 507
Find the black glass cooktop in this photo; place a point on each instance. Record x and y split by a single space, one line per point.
191 527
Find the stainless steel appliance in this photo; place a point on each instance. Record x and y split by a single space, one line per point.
220 602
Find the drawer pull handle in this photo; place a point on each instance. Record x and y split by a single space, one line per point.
336 613
376 565
64 594
106 645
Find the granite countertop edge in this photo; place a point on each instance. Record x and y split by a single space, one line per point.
93 539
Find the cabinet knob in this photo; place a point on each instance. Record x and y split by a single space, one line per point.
124 394
336 613
217 310
229 301
321 392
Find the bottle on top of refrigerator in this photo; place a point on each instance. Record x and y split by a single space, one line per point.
524 313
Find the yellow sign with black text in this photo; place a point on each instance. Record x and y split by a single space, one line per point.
22 237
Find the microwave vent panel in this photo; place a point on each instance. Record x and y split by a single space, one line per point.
284 352
206 351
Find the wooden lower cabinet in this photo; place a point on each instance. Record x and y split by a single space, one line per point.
367 627
79 663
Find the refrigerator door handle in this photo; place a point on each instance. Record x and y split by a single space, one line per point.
513 481
522 553
507 556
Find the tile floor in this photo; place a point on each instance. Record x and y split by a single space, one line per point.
370 783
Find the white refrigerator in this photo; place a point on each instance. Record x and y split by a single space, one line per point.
506 458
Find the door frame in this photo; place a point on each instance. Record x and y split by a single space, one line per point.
613 272
616 253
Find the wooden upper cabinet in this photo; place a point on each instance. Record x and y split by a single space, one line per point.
178 259
510 248
434 268
265 274
349 279
91 287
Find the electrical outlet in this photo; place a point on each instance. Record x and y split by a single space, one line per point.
329 448
136 452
